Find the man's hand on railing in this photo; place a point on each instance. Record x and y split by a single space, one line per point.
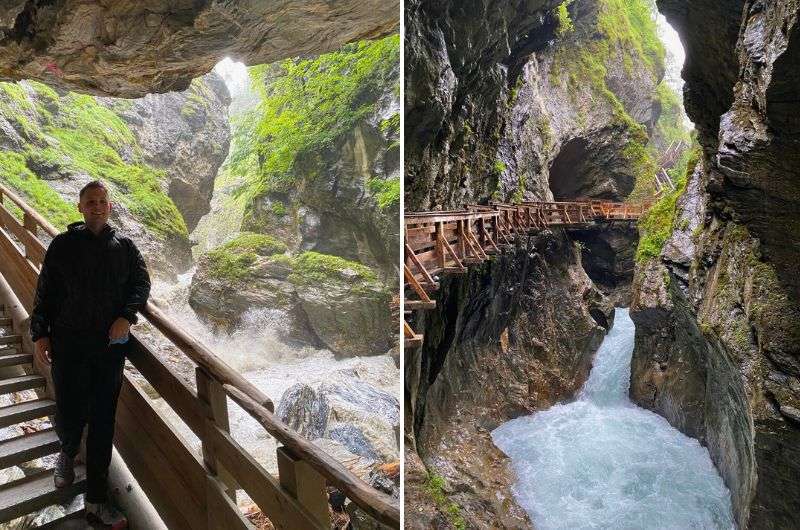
42 350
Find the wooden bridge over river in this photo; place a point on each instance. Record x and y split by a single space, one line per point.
187 489
449 241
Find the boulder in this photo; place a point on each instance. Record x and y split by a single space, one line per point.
346 410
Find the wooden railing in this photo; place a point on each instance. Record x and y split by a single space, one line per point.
447 242
189 490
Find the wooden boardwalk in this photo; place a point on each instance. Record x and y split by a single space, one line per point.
448 242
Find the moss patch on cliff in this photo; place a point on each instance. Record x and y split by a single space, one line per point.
38 194
314 101
387 191
435 487
76 134
656 226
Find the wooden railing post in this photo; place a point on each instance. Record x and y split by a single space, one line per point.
211 393
304 484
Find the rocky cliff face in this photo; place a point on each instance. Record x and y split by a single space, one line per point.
130 49
522 329
315 166
717 311
540 109
56 142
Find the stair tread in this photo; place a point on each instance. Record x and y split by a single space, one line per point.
23 382
27 447
14 359
76 519
37 491
27 410
10 339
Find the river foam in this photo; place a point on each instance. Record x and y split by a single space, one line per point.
602 462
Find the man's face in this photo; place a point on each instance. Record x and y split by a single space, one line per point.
95 207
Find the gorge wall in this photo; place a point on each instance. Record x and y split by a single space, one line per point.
516 101
717 308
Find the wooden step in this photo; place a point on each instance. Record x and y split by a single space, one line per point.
414 341
75 520
35 492
27 447
15 359
6 322
25 411
22 382
11 339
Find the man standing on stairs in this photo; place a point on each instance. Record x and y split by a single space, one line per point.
93 282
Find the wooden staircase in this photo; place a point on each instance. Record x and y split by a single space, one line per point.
36 491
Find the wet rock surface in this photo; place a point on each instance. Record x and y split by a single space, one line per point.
129 49
717 341
348 411
522 328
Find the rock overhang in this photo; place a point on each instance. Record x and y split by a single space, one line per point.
129 48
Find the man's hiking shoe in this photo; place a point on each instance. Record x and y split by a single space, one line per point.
64 474
105 515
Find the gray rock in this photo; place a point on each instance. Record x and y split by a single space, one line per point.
109 49
347 410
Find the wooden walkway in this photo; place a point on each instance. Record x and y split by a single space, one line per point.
448 242
188 488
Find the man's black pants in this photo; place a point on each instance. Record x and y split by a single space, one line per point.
87 375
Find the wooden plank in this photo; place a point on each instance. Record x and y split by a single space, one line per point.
305 484
10 339
35 492
283 510
212 395
169 386
22 382
25 411
16 359
223 513
415 260
415 285
27 447
169 473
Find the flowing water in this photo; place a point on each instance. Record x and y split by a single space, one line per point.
603 462
254 350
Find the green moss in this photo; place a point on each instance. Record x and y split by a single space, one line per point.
386 191
278 208
233 260
44 199
670 126
545 132
312 267
391 125
198 100
630 25
657 224
314 101
499 166
434 487
565 24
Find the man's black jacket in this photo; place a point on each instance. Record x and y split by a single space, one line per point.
88 281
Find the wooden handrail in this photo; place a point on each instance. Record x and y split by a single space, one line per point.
375 503
250 398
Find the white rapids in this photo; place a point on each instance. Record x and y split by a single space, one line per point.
601 462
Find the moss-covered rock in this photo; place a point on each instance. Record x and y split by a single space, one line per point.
330 302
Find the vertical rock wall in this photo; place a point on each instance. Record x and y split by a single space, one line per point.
718 312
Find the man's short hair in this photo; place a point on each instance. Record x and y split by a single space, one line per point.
94 184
